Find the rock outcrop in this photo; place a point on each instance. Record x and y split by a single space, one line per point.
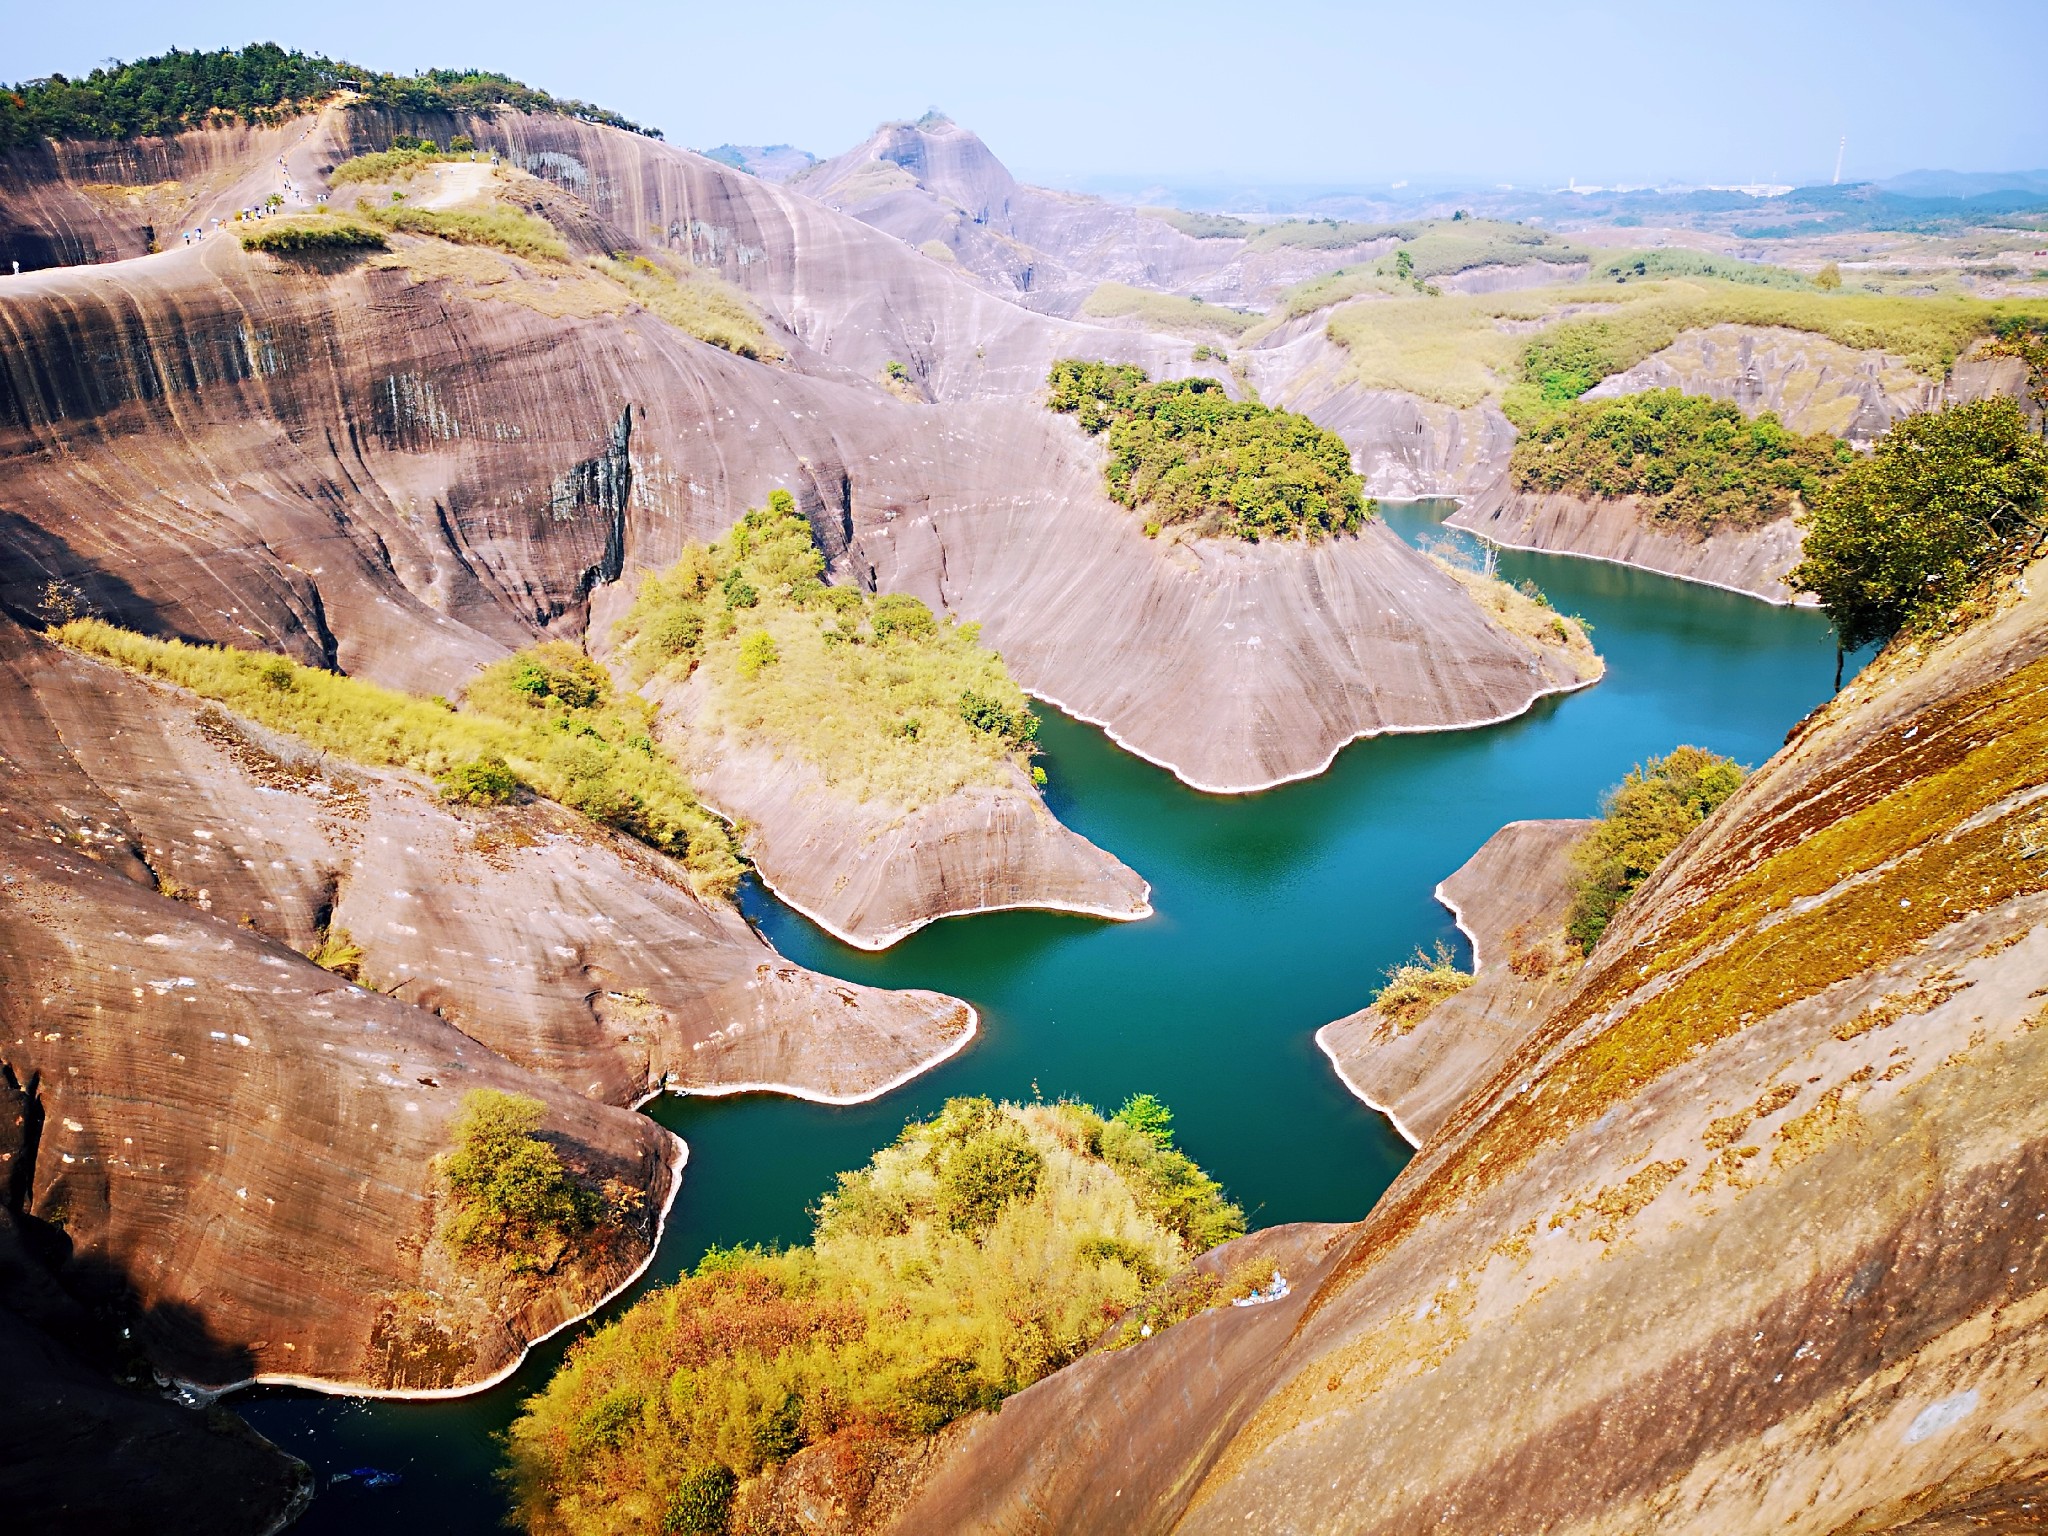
1755 561
239 1144
871 872
1510 899
1747 1236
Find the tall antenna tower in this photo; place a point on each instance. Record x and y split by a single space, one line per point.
1840 150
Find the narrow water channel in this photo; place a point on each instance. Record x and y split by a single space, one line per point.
1275 913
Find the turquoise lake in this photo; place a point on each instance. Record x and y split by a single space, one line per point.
1276 913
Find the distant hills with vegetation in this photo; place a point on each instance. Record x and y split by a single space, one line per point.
179 90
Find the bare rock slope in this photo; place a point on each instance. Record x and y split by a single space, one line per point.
1747 1236
872 872
1509 898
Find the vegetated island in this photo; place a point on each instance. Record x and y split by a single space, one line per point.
877 756
1183 451
980 1252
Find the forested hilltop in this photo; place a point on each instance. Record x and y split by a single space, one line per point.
178 90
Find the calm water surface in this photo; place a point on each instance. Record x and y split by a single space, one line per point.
1275 913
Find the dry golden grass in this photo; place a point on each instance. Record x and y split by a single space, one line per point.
867 690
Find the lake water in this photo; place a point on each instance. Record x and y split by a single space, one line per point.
1276 913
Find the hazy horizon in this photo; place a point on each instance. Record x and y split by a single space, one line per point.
1354 96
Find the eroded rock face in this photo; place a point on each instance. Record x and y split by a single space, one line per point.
872 872
1755 561
402 444
571 951
1812 383
1747 1236
240 1144
936 187
1510 899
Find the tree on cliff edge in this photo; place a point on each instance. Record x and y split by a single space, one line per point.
1900 536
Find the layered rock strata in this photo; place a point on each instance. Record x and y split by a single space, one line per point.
1747 1236
1754 561
871 872
1510 898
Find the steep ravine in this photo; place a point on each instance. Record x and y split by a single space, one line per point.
1747 1235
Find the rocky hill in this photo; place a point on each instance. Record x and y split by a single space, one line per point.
1745 1235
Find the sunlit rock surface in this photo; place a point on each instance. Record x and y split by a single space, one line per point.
1747 1236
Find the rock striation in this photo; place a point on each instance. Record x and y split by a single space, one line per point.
871 872
1753 561
1509 899
1747 1235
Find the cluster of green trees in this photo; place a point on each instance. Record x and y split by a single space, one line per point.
511 1199
1693 461
176 90
1905 536
1642 819
1184 451
1677 261
312 235
986 1248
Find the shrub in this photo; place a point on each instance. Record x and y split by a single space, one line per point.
757 651
486 780
1642 819
899 616
701 1503
310 235
984 1249
339 953
992 717
510 1197
1699 463
1901 536
1417 985
1143 1112
505 229
1187 452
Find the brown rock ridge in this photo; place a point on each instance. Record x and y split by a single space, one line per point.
1750 1235
1754 562
238 1143
872 872
567 949
1509 899
406 477
936 187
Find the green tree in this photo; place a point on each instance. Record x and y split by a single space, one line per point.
757 651
1902 535
1643 818
1145 1112
1829 278
511 1196
485 780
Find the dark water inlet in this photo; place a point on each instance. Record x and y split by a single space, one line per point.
1276 913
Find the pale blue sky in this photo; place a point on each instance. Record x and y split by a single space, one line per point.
1727 90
